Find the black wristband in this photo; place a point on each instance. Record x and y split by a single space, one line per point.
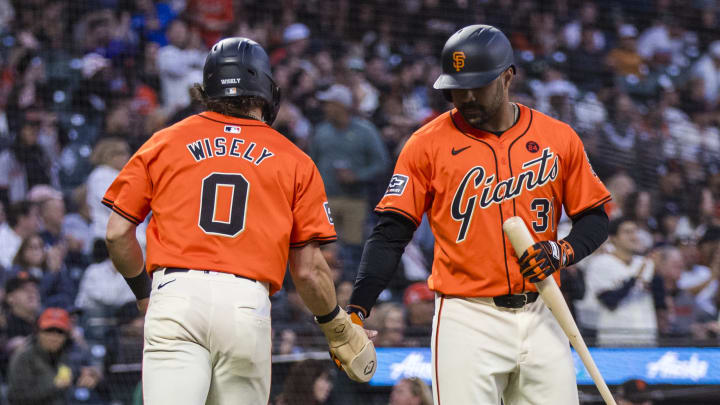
141 285
329 317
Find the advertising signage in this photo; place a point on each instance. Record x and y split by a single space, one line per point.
667 365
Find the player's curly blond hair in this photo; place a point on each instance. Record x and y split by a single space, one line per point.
232 106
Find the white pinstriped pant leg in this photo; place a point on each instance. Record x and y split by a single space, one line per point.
207 341
482 353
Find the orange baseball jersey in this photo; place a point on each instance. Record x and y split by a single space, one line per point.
470 181
226 194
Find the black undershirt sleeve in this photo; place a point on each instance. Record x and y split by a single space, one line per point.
589 231
611 298
380 259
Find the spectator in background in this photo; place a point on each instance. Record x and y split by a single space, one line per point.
102 292
42 372
411 391
46 265
633 392
22 305
707 71
108 157
638 208
420 304
585 64
151 19
180 66
624 59
296 40
389 320
211 17
678 320
350 155
586 16
701 279
620 185
308 383
52 212
625 286
621 133
22 221
26 163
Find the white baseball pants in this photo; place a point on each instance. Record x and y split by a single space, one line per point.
207 340
482 353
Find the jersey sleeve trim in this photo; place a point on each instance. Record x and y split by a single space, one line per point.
108 203
399 211
319 239
125 215
591 206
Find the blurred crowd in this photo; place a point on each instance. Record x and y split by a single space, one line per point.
84 83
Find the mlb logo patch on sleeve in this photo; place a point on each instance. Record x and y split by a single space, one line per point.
328 213
231 129
397 184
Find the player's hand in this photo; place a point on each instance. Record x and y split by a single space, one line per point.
350 346
545 258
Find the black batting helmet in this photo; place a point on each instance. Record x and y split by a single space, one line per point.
473 57
239 67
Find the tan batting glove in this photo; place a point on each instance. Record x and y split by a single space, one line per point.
350 346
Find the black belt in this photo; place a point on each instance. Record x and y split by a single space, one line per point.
515 300
169 270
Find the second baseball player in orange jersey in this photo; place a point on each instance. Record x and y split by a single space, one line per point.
473 180
470 169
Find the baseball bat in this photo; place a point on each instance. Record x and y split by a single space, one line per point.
521 239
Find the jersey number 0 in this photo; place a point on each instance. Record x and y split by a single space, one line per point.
224 204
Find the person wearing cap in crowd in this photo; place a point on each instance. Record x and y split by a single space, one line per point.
296 41
350 155
633 392
22 303
420 304
624 59
44 370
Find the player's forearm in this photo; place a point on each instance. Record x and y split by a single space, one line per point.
589 231
313 279
123 246
380 259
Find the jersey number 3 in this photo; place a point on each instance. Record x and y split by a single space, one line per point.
224 204
545 211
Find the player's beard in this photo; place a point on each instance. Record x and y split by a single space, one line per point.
477 114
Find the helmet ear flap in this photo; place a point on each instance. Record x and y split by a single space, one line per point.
271 108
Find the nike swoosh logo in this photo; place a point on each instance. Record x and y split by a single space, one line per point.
456 151
165 283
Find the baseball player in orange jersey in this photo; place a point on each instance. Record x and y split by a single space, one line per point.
233 202
470 169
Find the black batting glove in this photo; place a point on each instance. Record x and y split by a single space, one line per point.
545 258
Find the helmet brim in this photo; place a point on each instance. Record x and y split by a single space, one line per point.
469 80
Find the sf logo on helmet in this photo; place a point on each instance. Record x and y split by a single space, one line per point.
458 60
